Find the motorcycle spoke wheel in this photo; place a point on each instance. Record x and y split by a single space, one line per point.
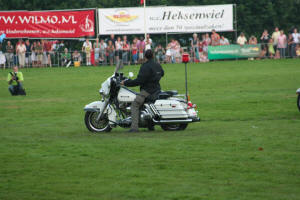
97 126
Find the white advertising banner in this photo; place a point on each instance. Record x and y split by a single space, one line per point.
166 19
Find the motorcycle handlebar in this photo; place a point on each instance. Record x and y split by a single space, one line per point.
119 77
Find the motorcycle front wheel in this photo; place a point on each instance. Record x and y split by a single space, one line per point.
93 125
174 127
298 102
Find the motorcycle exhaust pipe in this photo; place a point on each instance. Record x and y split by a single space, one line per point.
179 121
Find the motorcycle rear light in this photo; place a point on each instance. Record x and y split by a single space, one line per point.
190 105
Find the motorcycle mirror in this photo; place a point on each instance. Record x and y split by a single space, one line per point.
130 74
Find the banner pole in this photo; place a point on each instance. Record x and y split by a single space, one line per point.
145 28
97 34
235 25
235 22
166 39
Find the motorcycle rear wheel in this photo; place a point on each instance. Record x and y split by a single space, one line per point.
298 102
92 125
174 127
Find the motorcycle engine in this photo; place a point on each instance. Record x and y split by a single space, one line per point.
125 108
145 117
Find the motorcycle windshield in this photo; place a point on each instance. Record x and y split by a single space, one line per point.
105 87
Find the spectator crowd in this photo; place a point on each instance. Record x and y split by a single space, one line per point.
112 50
278 45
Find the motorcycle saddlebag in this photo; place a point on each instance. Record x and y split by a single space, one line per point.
170 109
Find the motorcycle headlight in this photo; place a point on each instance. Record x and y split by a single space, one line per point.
101 91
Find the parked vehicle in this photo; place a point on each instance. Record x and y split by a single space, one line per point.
171 111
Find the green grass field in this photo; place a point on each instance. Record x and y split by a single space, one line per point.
47 153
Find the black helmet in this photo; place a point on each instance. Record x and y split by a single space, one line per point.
149 54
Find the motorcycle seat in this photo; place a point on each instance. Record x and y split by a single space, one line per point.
172 92
160 95
167 94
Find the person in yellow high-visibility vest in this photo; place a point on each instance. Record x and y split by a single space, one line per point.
15 80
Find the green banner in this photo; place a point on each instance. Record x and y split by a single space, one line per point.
233 51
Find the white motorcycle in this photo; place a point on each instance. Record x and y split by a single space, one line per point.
171 111
298 98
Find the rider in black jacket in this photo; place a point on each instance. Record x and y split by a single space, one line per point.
148 79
